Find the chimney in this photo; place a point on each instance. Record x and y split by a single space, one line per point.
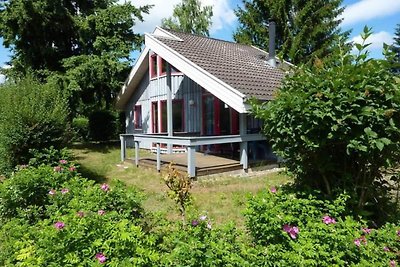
271 52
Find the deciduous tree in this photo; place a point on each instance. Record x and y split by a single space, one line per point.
189 16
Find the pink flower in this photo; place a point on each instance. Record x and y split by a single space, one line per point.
195 223
72 168
63 161
209 226
105 187
357 242
328 220
293 231
52 192
101 258
59 225
398 232
392 263
80 214
386 249
101 212
58 169
363 239
366 230
273 189
64 190
203 218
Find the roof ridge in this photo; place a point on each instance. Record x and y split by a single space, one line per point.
207 37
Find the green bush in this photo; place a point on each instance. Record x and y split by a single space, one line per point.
102 125
50 156
80 128
32 116
25 193
299 229
337 125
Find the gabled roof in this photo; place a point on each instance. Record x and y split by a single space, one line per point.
242 67
232 72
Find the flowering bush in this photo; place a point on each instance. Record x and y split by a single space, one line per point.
299 229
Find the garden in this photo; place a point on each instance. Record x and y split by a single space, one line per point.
335 121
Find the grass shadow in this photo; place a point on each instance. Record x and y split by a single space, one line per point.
100 147
92 175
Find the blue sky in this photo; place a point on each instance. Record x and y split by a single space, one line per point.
381 15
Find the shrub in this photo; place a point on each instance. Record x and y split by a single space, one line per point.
298 229
102 125
32 116
202 244
80 128
336 124
50 156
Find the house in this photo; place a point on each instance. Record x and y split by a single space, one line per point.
189 93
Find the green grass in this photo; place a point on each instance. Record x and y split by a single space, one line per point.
221 197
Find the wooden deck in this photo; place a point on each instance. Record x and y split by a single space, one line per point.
206 164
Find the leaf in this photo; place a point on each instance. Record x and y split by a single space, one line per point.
379 145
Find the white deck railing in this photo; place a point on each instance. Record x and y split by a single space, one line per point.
190 142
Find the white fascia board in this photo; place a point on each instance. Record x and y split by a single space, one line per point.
215 86
127 88
161 32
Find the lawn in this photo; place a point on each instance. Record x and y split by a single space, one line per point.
221 197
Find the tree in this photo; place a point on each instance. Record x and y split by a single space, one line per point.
396 50
84 45
337 124
189 16
304 29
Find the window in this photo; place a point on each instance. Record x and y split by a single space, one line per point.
158 67
138 117
153 66
177 116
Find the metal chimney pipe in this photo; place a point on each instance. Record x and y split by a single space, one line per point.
272 35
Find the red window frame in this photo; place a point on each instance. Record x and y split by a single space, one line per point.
138 117
153 66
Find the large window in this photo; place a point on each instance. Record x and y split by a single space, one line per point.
138 117
177 116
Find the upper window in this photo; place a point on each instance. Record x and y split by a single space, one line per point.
158 67
138 117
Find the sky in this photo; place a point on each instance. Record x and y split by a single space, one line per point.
381 15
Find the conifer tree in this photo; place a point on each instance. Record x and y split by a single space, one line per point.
305 29
189 16
396 49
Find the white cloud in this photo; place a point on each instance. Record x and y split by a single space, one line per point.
223 14
2 76
365 10
376 40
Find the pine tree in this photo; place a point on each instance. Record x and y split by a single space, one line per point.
396 49
305 29
189 16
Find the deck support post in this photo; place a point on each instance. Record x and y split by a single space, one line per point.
244 158
169 107
158 157
123 147
191 159
137 153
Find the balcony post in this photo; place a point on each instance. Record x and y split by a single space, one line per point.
191 159
169 107
123 147
137 153
158 157
244 159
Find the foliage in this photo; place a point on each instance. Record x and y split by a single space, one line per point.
323 236
102 125
25 193
82 45
189 16
395 47
50 156
336 123
179 186
80 127
32 116
304 29
200 244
